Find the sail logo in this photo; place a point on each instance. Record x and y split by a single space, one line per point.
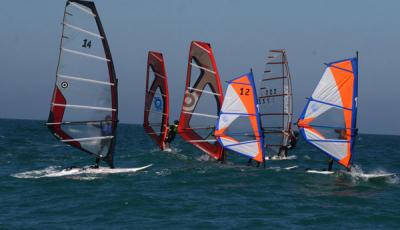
190 101
64 84
158 103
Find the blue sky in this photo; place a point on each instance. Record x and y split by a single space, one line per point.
240 32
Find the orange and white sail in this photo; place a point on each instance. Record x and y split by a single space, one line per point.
238 127
329 117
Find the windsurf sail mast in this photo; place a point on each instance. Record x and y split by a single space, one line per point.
239 127
329 118
84 106
202 100
156 108
275 98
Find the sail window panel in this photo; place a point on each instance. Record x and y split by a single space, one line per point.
156 112
77 65
333 116
152 77
80 114
271 89
272 123
274 68
79 92
79 27
335 149
274 141
331 124
327 89
205 72
77 17
249 149
240 129
204 112
93 131
82 42
81 8
232 102
271 106
200 55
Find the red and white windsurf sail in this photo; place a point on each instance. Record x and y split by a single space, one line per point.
84 106
156 108
329 118
275 98
202 100
239 125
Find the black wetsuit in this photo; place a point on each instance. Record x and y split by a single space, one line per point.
173 129
292 142
330 164
283 151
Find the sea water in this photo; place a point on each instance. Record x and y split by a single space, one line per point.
184 189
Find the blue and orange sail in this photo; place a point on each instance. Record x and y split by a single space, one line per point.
239 127
329 118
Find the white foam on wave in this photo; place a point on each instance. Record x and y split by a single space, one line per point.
204 157
358 173
75 173
172 150
278 158
37 173
164 172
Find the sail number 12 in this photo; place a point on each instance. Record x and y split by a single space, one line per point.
244 91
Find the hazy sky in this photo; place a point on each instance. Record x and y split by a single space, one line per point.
240 32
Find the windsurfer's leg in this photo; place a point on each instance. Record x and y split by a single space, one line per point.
96 165
330 164
249 162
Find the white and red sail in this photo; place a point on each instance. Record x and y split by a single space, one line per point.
156 108
84 106
202 100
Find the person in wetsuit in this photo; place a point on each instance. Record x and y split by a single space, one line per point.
106 130
293 140
342 136
172 131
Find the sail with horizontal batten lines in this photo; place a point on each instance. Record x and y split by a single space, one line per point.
84 106
239 126
329 118
156 108
202 100
275 98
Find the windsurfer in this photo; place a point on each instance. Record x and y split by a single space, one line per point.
106 130
330 164
342 133
283 152
293 139
172 131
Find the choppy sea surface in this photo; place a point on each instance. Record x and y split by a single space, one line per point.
185 190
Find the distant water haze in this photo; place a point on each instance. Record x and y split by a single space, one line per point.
240 32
